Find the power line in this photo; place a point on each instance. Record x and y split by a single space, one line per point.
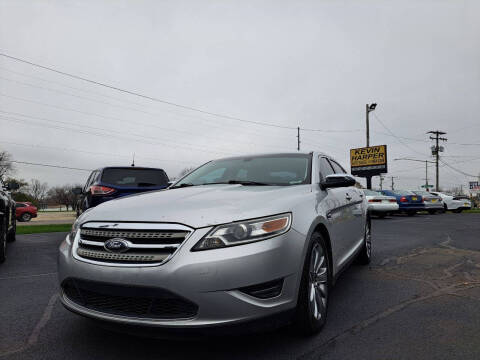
145 96
82 131
395 136
49 165
90 152
156 115
186 107
457 170
174 113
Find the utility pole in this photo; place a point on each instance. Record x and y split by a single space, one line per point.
298 138
426 176
368 108
436 151
393 177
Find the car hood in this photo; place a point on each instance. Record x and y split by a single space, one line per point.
201 206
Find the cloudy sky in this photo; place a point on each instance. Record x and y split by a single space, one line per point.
313 64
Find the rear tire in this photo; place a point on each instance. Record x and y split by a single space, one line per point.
382 215
311 312
457 211
411 213
365 255
432 212
26 217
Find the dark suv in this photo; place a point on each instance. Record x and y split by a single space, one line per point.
113 182
7 217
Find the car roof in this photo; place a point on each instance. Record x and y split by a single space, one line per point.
316 153
128 167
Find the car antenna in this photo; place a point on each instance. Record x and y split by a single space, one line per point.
133 160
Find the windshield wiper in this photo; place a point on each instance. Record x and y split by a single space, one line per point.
246 182
182 185
230 182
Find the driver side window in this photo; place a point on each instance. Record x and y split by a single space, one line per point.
325 168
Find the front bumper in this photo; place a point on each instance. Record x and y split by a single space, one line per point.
210 279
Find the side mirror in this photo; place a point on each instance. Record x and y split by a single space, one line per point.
12 186
77 191
337 180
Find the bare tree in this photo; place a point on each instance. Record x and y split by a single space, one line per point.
37 190
6 164
64 195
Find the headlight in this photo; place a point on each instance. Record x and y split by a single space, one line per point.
243 232
75 227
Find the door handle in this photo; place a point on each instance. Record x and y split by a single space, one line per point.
348 197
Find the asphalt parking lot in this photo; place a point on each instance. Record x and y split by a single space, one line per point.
419 299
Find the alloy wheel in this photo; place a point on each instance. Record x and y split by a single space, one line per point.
318 282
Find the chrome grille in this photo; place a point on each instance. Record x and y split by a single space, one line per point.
147 244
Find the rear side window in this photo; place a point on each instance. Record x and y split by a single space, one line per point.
20 205
325 168
338 169
132 177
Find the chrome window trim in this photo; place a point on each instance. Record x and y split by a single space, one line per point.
130 226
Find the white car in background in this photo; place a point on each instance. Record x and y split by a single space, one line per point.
380 205
454 203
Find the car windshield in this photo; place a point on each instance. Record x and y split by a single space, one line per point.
283 169
132 177
423 193
371 192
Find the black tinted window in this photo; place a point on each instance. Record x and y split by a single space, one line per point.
20 205
325 168
132 177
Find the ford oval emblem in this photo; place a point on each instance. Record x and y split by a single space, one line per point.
116 245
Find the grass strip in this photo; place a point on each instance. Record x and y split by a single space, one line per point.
37 229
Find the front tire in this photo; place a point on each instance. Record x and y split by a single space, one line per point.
411 213
314 288
432 212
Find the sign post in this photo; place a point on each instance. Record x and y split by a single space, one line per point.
369 161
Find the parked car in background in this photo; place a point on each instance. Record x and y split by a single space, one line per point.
110 183
25 211
8 224
379 204
454 203
408 202
433 203
237 240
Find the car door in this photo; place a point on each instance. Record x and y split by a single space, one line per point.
355 204
335 205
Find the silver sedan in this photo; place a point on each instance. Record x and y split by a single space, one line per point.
236 240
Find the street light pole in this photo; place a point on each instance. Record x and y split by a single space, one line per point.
368 108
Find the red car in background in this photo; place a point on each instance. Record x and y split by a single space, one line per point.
25 211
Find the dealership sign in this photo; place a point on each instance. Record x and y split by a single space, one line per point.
368 161
474 185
